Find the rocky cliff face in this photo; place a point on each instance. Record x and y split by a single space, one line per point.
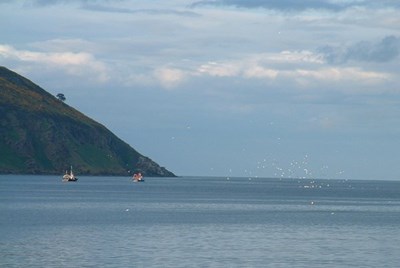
40 134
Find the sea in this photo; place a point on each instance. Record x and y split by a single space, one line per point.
198 222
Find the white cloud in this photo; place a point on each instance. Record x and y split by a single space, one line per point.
169 77
339 74
260 72
219 69
305 69
294 57
73 63
62 45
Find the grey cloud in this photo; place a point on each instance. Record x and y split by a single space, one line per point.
102 8
297 5
52 2
285 5
47 2
383 51
383 3
42 3
99 6
112 9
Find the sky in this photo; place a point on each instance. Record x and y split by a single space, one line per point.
247 88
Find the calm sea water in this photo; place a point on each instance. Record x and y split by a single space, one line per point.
198 222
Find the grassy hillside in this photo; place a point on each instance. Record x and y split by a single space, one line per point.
40 134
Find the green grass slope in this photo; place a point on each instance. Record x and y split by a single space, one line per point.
40 134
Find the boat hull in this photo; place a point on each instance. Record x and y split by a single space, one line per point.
73 179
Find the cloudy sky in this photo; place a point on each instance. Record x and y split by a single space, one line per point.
272 88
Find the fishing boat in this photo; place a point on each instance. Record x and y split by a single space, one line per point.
69 176
137 177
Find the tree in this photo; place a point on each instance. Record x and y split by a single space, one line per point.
61 97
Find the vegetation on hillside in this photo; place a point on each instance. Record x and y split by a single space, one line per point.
39 134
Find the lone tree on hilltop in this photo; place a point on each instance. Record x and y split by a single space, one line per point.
61 97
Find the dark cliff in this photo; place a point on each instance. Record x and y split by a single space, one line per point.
39 134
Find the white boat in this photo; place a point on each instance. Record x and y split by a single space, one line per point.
69 176
137 177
